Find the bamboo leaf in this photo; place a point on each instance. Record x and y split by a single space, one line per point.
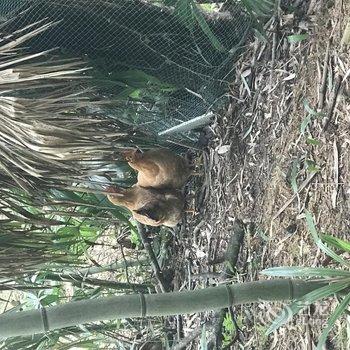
204 343
206 29
297 38
346 35
336 242
304 272
311 141
311 166
294 175
183 11
311 113
260 8
331 321
310 110
320 244
295 307
305 123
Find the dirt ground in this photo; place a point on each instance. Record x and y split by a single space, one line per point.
266 166
281 148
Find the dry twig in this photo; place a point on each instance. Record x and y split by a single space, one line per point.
301 188
153 259
332 102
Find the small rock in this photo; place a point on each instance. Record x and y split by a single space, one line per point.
223 149
291 228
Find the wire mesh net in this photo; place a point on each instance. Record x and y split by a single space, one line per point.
168 61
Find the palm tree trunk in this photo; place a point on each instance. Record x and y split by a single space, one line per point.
139 305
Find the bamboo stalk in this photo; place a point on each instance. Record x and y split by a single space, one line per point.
164 304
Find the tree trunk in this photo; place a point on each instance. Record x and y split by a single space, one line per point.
139 305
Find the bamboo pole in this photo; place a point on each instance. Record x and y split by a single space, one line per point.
140 305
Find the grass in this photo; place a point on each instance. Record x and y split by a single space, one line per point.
340 283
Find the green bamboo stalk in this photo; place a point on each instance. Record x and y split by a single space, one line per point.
138 305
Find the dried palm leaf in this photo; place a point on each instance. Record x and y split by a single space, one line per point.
47 135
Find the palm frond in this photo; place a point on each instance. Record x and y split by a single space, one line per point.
48 133
50 139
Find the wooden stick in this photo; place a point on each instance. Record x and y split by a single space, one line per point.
154 262
333 101
322 90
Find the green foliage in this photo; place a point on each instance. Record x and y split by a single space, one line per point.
336 243
133 83
297 38
262 234
135 238
312 229
312 141
55 226
228 329
308 299
311 113
261 331
339 281
311 166
260 11
76 239
305 123
206 29
340 309
310 110
45 297
161 246
184 13
189 14
259 8
286 271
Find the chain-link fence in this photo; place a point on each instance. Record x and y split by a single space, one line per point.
168 60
